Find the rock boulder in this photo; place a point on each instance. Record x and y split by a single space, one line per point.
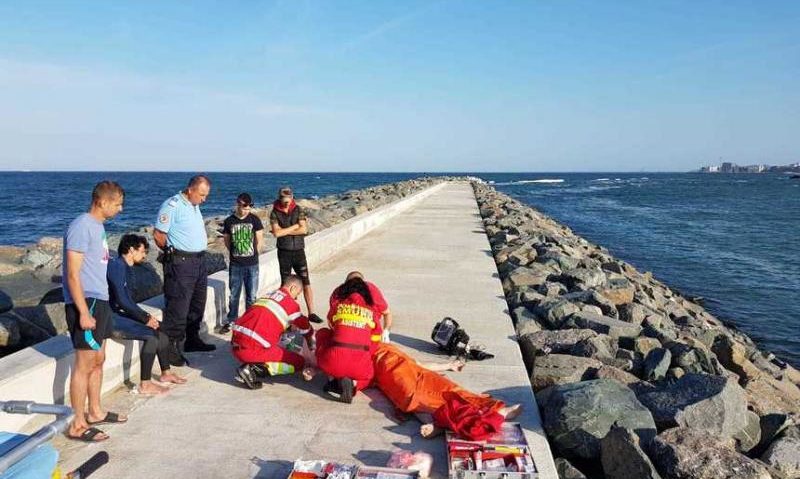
578 416
714 404
693 454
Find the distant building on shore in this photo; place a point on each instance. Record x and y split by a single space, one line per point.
728 167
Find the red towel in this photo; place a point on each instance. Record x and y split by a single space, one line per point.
466 419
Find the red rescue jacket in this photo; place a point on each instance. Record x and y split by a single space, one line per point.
260 328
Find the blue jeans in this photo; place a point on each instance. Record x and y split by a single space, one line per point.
238 275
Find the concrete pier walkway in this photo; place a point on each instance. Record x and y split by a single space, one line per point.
430 261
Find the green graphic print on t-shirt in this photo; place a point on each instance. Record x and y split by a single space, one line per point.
242 239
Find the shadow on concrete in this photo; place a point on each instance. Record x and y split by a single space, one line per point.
220 297
415 343
375 458
381 404
271 469
63 370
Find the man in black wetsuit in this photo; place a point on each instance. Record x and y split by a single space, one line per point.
289 224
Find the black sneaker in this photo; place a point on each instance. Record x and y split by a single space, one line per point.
245 376
224 329
174 356
313 318
195 345
348 388
333 388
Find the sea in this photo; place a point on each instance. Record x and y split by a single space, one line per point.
731 239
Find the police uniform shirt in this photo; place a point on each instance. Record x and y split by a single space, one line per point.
183 224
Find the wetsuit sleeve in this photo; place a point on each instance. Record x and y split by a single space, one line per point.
273 217
119 291
301 216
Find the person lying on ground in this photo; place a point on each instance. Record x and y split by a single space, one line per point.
437 401
344 350
257 333
136 323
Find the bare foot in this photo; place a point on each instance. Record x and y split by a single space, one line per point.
511 412
86 433
149 388
429 431
171 378
309 373
457 365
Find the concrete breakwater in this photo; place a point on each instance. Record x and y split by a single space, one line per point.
633 379
31 310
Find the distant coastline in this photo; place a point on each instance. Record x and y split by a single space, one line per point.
728 167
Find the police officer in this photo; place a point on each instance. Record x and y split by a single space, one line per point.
180 232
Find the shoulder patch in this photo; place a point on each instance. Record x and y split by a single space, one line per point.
172 202
163 218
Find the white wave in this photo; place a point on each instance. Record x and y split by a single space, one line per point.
543 180
602 179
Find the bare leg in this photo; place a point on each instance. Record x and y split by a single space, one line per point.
308 296
96 412
456 365
78 391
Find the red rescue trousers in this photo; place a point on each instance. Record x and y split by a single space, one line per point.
343 362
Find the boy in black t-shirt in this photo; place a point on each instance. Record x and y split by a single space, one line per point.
243 234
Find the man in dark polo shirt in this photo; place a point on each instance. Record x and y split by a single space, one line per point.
180 232
289 224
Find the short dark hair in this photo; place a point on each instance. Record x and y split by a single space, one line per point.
106 189
197 180
245 198
129 241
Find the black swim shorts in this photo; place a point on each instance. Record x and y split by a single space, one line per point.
293 259
104 323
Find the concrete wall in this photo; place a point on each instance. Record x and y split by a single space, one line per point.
41 373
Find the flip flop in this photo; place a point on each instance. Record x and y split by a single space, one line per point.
111 418
88 435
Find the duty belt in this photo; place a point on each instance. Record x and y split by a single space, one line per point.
188 254
357 347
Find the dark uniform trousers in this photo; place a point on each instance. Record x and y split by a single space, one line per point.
185 282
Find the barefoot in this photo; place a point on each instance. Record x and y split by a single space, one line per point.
429 431
173 378
309 373
457 365
511 412
149 388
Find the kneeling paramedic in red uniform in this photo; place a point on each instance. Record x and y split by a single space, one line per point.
257 334
344 352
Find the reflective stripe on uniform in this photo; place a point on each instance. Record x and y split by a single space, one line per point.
251 334
276 309
277 369
296 315
352 319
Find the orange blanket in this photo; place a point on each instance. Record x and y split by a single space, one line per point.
412 388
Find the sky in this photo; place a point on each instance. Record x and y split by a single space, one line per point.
450 85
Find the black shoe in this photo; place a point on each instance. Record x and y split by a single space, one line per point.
195 345
174 356
224 329
348 388
333 388
313 318
245 376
